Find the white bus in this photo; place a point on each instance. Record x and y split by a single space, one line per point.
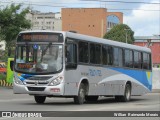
66 64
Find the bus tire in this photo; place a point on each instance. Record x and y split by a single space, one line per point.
118 98
40 99
91 98
127 94
81 95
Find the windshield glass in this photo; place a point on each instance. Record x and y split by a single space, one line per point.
38 58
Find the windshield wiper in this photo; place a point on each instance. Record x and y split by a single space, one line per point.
45 50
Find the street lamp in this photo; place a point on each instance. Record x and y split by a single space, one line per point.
126 33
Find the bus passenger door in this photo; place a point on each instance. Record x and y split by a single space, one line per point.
70 69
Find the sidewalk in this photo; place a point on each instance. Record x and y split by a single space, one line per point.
155 90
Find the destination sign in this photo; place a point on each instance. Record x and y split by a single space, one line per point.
25 65
40 37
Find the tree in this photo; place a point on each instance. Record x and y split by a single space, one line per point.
120 33
12 21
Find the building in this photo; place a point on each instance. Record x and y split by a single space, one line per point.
153 42
90 21
48 21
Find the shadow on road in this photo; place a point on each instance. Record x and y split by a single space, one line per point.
104 100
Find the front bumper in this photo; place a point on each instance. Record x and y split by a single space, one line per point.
39 89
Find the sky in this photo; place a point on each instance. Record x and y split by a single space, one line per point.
144 19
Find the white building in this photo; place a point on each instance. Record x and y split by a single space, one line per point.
48 21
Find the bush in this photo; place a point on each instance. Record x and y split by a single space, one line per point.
2 76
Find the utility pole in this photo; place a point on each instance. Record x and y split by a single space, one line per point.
126 34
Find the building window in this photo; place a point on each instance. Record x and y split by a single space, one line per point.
112 20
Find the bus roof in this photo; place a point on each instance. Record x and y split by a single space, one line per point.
106 41
94 39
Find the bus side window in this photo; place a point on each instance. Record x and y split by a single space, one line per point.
110 55
11 65
71 55
83 52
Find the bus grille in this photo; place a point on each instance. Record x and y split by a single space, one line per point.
38 83
36 88
39 78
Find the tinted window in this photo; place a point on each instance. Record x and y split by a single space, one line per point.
83 52
120 54
137 59
110 55
146 61
98 54
95 53
104 55
116 57
71 53
11 65
128 58
92 53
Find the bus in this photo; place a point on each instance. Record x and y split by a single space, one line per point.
72 65
9 77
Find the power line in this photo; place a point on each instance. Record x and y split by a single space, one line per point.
34 4
131 2
132 9
86 3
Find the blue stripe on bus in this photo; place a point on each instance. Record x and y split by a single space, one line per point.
22 77
142 76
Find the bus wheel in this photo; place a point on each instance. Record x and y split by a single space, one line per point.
81 95
127 95
40 99
91 98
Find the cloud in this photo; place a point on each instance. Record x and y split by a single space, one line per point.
145 23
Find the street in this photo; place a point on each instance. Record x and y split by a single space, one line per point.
20 102
24 102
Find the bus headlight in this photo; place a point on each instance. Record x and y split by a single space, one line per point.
17 80
56 81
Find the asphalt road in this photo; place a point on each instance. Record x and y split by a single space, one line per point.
20 102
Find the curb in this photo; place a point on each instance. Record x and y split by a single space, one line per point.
155 90
4 83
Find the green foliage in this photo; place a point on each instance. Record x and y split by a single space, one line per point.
118 33
3 55
2 76
12 21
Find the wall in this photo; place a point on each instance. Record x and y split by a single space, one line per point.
88 21
155 48
156 78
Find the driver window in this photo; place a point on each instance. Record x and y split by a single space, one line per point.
71 53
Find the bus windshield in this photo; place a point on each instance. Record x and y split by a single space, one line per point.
38 58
